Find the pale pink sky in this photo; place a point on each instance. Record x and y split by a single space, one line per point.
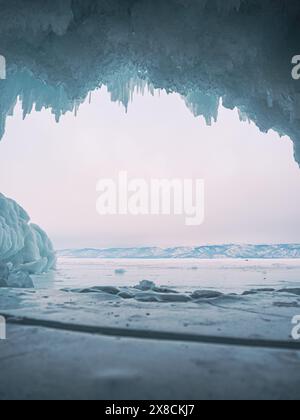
252 181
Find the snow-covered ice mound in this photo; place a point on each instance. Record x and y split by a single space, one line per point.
24 248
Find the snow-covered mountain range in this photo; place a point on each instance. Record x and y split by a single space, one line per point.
202 252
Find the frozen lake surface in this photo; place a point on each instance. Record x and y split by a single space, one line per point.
227 276
72 338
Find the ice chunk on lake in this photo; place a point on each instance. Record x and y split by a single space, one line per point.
24 247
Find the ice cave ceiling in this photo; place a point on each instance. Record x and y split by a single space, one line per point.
237 51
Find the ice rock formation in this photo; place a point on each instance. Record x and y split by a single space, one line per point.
237 51
24 248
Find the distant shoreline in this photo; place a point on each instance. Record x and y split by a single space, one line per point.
211 252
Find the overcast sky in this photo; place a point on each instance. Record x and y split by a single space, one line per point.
252 181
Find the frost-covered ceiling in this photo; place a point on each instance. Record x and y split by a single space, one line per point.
239 51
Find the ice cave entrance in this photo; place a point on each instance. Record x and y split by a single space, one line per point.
52 170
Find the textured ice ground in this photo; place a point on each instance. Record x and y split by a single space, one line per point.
154 340
204 301
87 289
44 363
24 248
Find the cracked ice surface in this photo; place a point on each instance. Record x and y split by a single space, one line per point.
237 51
24 248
